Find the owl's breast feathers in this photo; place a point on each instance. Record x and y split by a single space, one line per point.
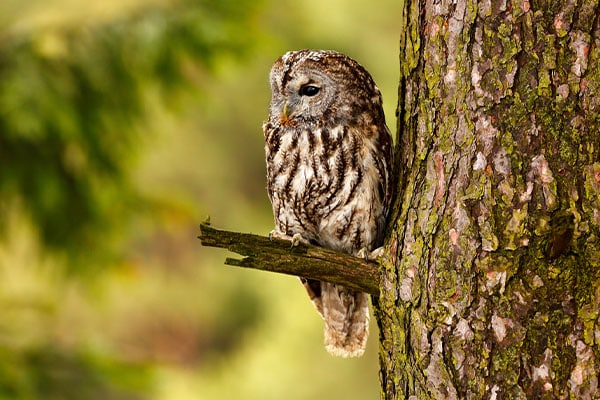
330 184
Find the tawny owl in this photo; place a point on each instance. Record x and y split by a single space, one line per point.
329 157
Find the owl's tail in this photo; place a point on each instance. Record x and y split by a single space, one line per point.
346 315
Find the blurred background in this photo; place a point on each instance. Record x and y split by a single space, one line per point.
123 125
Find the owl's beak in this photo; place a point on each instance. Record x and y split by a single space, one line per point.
285 112
288 112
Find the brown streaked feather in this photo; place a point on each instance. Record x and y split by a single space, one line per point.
328 174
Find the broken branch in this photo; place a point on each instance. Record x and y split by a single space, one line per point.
307 261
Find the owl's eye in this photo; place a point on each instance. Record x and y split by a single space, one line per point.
309 90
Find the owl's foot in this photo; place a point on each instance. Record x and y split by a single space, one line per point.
370 255
296 240
275 234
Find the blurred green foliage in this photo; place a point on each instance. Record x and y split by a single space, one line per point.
72 100
122 125
52 374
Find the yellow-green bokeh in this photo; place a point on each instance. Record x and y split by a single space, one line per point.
126 304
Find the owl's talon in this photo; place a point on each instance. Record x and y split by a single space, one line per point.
275 234
297 239
375 254
370 255
363 253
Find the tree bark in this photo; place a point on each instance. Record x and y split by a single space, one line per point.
490 285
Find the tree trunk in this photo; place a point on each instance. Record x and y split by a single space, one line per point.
491 282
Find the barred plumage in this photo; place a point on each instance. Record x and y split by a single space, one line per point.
329 156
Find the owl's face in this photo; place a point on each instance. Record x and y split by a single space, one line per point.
310 86
304 96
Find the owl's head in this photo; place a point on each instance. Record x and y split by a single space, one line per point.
314 86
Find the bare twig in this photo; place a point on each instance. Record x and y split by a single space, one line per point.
306 261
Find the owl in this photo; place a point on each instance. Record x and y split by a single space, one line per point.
329 157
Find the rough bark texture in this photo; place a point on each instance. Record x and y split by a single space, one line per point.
491 285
